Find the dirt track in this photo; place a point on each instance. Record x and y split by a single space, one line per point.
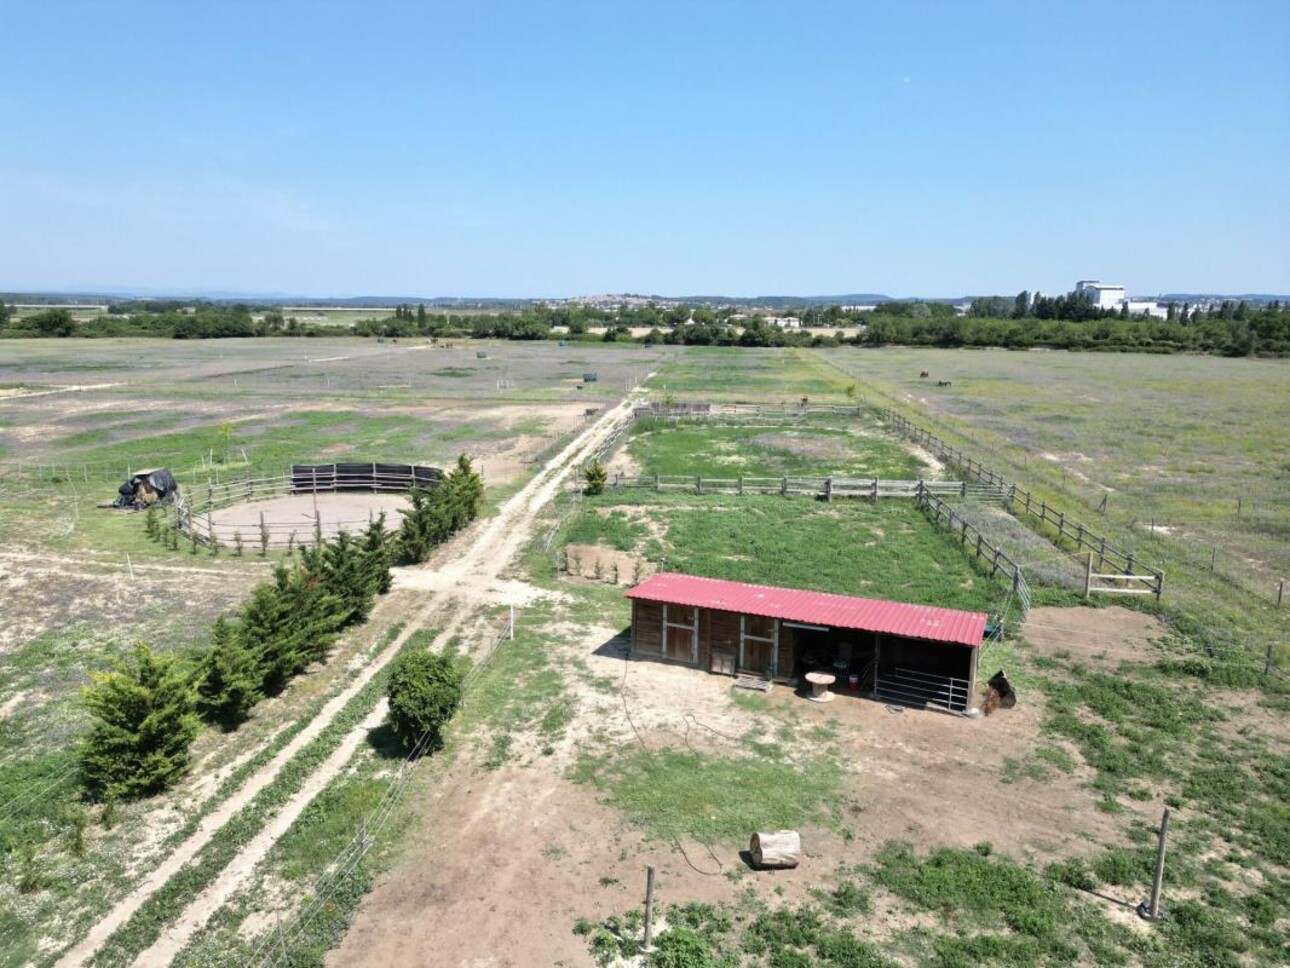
472 565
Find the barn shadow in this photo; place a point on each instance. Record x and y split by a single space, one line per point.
617 646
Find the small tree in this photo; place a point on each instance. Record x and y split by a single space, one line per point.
145 712
424 692
595 476
376 555
228 684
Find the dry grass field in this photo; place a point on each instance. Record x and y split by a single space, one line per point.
1022 838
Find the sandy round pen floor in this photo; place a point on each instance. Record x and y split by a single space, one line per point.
294 514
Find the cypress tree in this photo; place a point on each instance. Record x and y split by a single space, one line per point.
229 682
376 556
344 574
145 712
265 631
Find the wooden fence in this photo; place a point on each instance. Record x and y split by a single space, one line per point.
194 510
826 488
972 540
734 412
1117 571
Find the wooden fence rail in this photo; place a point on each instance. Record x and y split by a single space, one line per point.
973 541
1063 530
827 488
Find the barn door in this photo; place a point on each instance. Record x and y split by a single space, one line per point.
681 634
758 645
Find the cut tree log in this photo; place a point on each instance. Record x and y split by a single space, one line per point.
778 849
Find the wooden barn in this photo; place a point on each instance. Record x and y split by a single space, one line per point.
910 654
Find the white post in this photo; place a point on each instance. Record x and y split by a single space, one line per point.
512 628
130 565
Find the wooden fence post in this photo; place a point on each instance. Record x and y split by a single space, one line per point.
783 487
828 489
1088 575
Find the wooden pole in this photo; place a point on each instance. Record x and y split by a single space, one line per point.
1153 912
1088 575
649 906
1281 587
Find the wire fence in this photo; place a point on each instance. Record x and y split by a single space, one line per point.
1122 572
276 947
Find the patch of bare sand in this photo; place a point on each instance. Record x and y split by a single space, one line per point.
1108 635
614 567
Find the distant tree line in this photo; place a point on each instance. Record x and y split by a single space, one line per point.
1071 321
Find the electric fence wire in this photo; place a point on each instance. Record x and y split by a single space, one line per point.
13 807
277 944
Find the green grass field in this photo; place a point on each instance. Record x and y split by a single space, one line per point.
814 448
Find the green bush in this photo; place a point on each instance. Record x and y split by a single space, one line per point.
595 475
146 720
424 692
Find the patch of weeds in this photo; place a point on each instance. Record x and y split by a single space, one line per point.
499 753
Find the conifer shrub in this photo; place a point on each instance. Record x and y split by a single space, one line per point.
424 691
440 512
145 722
595 475
228 682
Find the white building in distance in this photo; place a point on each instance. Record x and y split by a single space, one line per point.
1103 294
1108 296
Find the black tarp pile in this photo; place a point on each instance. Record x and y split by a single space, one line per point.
147 488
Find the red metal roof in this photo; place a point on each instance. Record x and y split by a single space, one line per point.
816 608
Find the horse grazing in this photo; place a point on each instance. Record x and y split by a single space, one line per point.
945 383
923 375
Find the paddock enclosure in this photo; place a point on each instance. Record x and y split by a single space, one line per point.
915 655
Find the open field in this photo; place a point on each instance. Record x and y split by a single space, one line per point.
1037 820
1021 838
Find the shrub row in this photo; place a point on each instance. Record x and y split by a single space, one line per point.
438 514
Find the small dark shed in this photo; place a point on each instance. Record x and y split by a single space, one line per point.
911 654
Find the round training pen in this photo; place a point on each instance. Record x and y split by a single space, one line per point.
308 502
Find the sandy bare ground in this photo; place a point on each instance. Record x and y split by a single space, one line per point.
522 852
74 388
294 514
42 592
480 557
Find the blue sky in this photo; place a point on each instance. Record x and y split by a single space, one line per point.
535 148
